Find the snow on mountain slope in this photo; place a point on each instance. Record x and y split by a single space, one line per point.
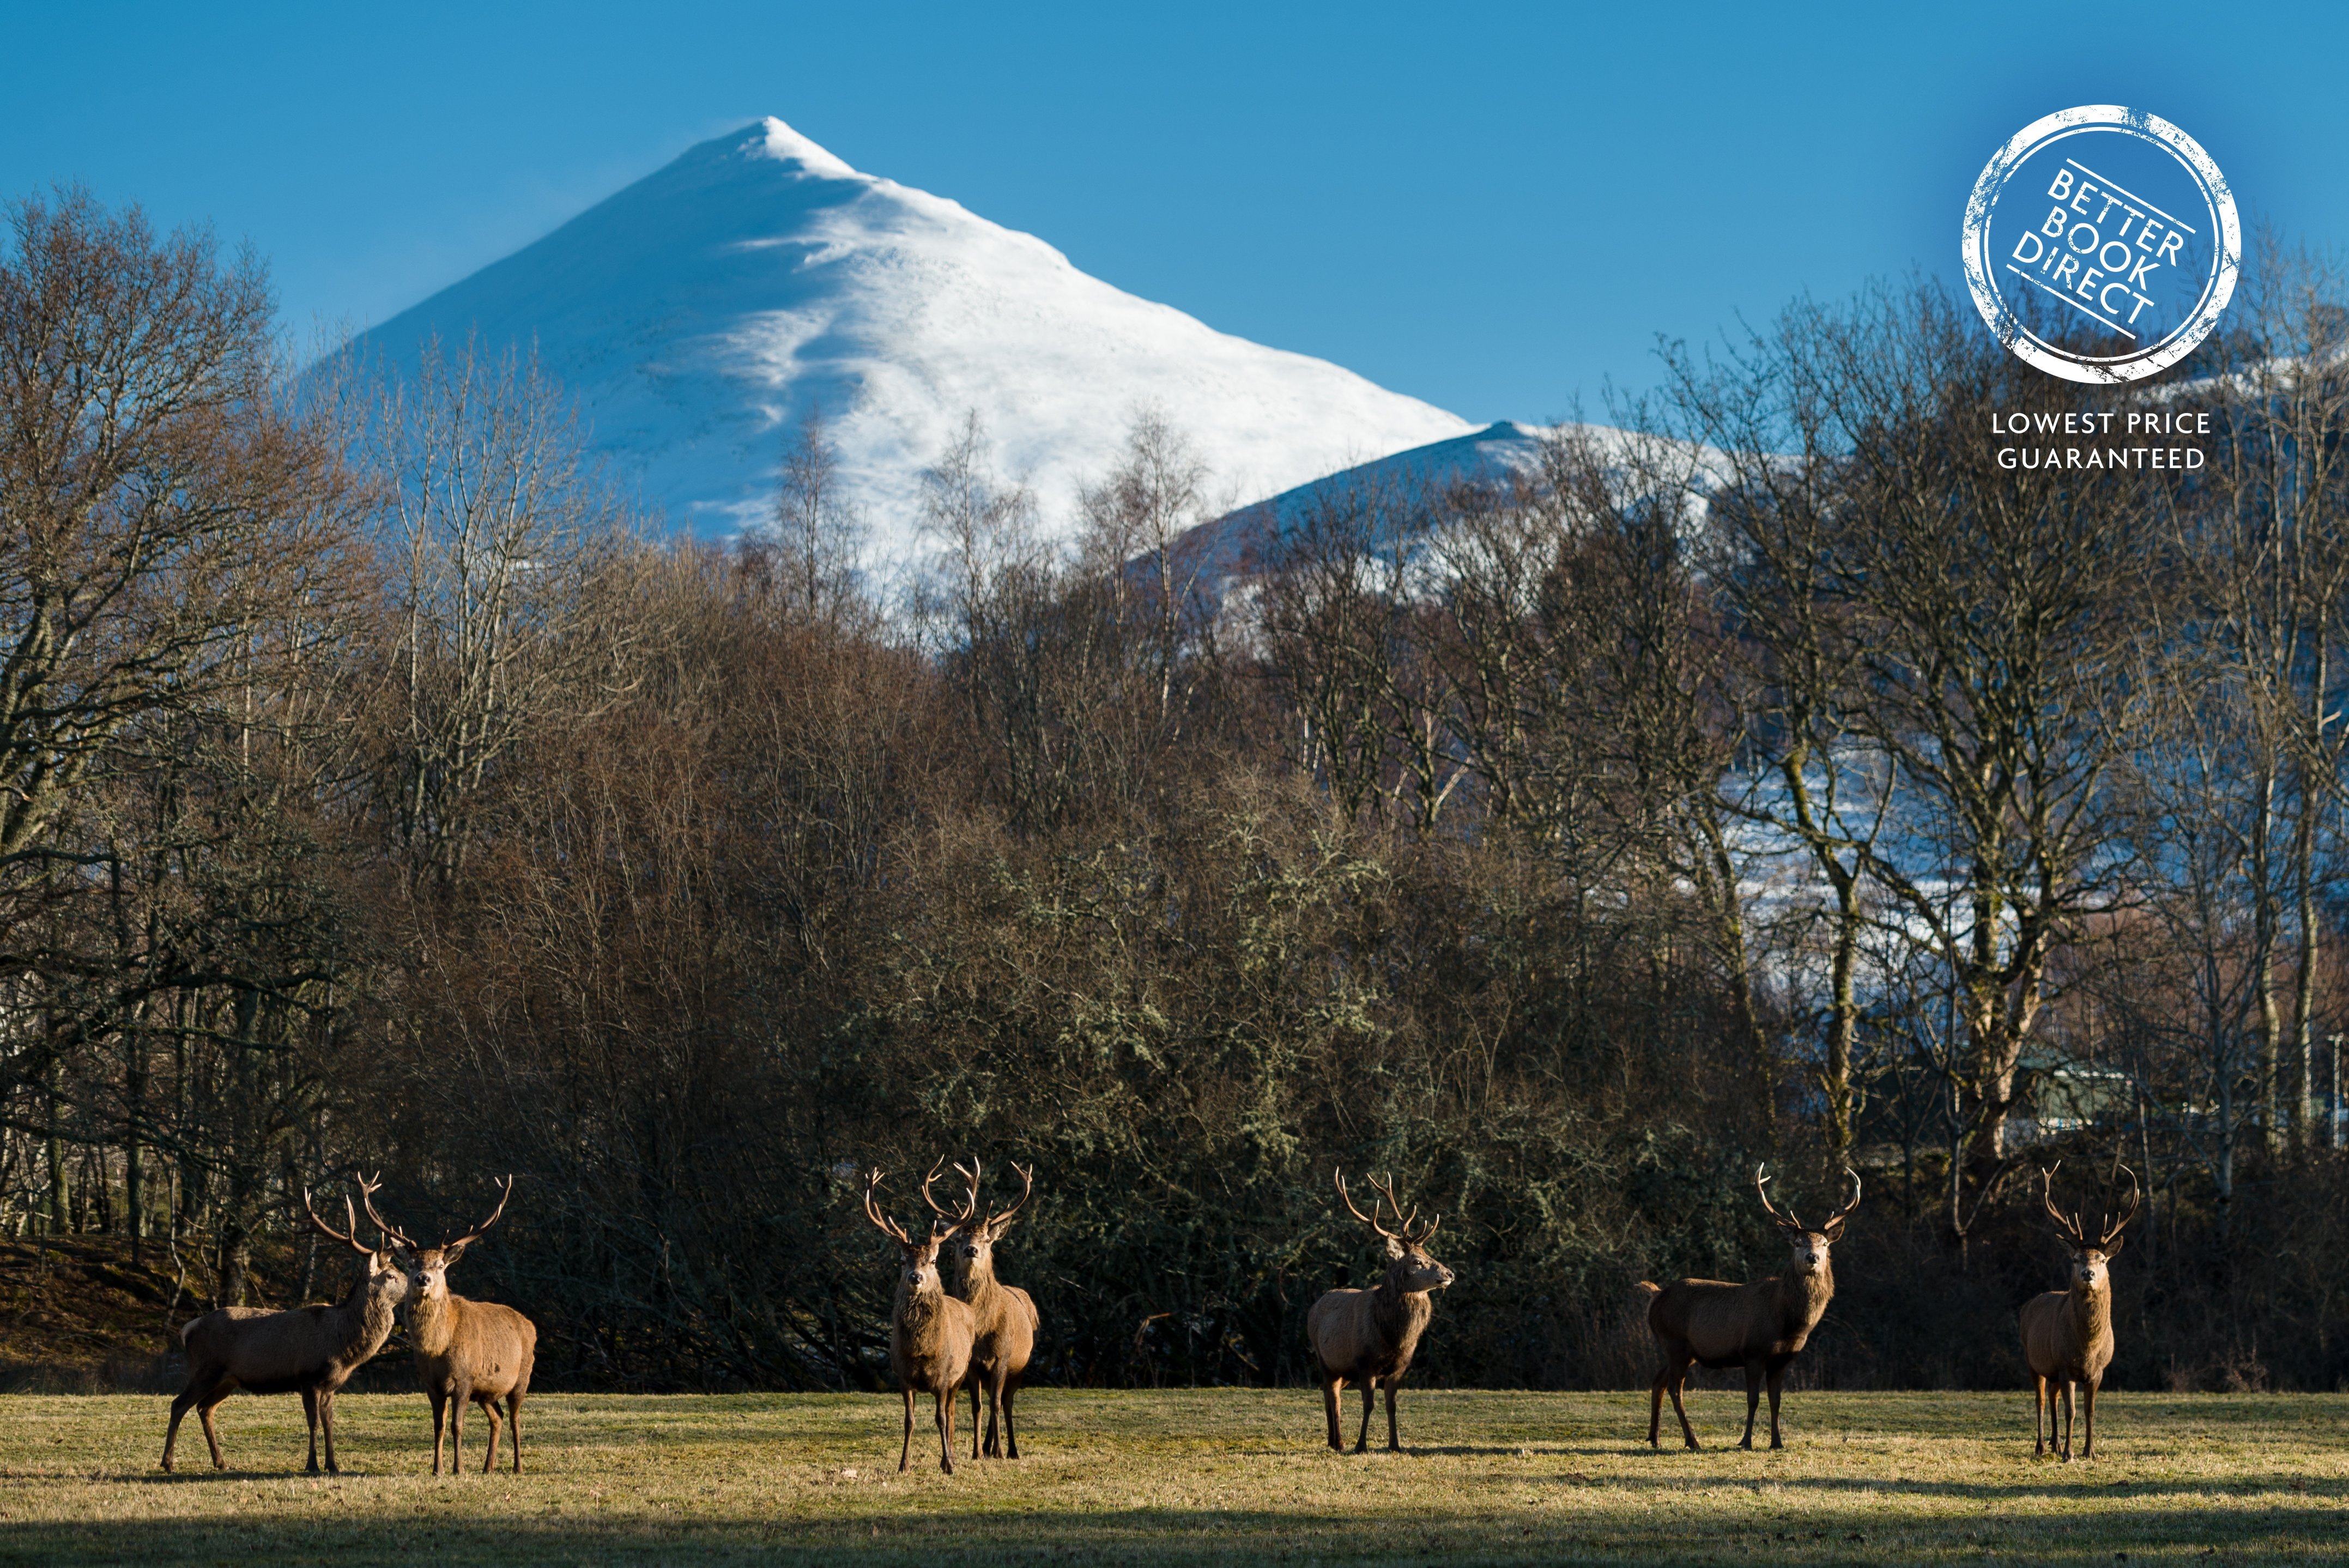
698 312
1243 542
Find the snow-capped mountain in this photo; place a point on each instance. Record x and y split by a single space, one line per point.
697 313
1245 541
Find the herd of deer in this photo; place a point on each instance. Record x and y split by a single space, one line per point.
472 1351
975 1332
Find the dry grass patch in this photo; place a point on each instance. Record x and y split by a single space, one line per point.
1220 1475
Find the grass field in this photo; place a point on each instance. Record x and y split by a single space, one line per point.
1209 1476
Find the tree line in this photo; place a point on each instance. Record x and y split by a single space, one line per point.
1770 773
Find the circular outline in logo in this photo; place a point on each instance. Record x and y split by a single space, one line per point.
2227 255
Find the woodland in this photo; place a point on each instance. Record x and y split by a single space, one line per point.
1767 774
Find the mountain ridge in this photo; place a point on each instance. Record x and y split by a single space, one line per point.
698 312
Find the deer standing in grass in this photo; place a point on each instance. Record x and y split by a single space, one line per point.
475 1351
1369 1336
1003 1319
309 1350
2067 1334
1759 1327
929 1331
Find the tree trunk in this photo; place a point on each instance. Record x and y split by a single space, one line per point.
2304 854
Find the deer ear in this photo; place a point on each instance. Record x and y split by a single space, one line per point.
1832 1230
450 1254
2112 1248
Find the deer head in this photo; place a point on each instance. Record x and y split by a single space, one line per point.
2089 1258
1410 1266
386 1281
967 1238
919 1260
428 1267
1810 1246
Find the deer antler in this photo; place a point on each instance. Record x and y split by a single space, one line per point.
2068 1229
367 1191
1404 1221
346 1237
1027 1190
1369 1219
2111 1233
475 1234
1785 1221
1840 1215
970 1202
872 1212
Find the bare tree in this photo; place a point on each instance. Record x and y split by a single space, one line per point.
2270 567
818 527
495 528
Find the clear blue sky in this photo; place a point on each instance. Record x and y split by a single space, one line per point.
1494 207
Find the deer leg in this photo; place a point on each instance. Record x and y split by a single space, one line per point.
1679 1381
310 1419
906 1449
973 1385
1330 1388
180 1407
439 1422
2038 1414
1656 1406
995 1414
2067 1385
1777 1382
212 1396
326 1420
490 1414
1011 1435
945 1407
458 1399
513 1426
1753 1401
1370 1403
2088 1416
1394 1445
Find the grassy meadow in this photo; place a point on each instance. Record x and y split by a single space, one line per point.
1189 1476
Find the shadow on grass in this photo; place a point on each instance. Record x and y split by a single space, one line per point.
1154 1536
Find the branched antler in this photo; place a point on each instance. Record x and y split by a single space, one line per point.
1785 1220
872 1212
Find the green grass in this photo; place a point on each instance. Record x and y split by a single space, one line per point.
1211 1476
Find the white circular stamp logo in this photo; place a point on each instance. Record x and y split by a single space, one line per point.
2101 243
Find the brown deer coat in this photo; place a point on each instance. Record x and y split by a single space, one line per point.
310 1350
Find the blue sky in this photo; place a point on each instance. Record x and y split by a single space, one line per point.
1494 207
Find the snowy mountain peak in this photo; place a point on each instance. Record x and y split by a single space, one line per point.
786 145
699 312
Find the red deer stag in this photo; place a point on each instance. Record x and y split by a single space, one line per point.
2067 1334
1369 1336
929 1331
1003 1318
1759 1327
465 1350
310 1350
